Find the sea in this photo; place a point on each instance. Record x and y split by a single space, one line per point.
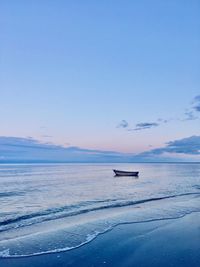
48 208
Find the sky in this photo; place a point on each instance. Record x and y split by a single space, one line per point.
104 75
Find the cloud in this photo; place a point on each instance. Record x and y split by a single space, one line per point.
164 120
18 150
145 125
142 125
187 146
189 115
197 108
46 136
196 103
123 124
28 150
191 112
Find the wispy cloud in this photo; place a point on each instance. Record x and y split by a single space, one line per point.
46 136
196 103
164 120
191 113
142 125
189 116
145 125
123 124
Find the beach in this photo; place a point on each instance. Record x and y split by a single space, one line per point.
100 137
174 242
81 215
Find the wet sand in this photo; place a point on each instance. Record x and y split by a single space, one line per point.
165 243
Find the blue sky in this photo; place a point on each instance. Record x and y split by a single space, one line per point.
102 75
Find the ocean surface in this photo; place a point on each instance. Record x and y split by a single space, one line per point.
48 208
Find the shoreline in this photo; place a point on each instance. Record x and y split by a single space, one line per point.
170 242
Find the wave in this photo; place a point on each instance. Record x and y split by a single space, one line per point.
73 210
11 194
89 237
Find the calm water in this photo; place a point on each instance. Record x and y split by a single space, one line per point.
51 208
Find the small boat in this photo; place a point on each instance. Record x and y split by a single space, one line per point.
125 173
